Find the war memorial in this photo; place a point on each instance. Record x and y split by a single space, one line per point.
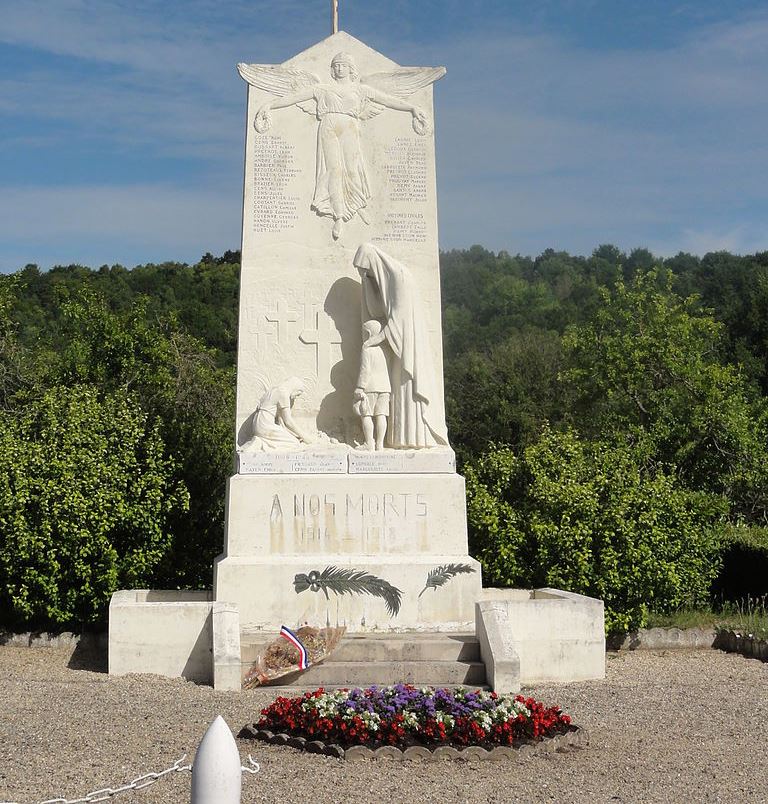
345 508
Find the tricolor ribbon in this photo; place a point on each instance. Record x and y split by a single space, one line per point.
286 633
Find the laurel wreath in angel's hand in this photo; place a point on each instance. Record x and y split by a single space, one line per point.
385 88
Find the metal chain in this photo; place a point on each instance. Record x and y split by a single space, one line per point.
255 767
107 792
139 783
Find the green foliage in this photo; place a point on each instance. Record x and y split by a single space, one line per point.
745 563
647 368
666 368
506 394
85 493
587 516
177 382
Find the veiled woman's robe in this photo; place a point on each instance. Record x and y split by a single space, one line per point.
390 295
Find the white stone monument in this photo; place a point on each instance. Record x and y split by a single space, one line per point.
346 506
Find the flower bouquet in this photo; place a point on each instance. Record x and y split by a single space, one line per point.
403 715
292 652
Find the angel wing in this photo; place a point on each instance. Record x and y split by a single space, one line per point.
279 80
401 82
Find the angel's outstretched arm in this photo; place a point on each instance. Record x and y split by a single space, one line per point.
391 101
289 100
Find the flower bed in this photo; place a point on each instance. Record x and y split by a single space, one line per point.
404 716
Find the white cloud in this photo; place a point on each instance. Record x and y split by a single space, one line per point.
540 142
96 225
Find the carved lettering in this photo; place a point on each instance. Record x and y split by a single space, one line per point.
385 521
421 505
330 505
353 504
389 504
277 510
406 168
273 170
404 227
314 505
405 503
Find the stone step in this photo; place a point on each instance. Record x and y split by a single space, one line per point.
416 647
298 688
363 674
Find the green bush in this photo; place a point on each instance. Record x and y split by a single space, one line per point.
85 491
745 564
589 518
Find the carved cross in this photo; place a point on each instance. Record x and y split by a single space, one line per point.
253 319
324 336
282 318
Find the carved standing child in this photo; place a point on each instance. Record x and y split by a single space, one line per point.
372 393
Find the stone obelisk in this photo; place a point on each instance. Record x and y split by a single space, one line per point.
346 506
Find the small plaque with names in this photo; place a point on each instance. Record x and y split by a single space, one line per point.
397 461
292 463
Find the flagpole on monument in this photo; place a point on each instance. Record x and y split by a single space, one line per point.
334 16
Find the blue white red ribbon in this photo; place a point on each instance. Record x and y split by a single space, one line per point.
286 633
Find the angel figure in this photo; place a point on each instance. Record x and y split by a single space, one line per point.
341 181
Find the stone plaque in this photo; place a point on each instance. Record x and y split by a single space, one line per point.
415 461
287 463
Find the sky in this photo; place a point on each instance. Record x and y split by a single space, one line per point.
561 124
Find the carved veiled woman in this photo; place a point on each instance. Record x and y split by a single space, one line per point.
389 294
342 189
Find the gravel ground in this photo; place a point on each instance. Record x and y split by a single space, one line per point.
665 727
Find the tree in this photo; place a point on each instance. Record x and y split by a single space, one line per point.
503 395
648 370
591 517
176 381
85 495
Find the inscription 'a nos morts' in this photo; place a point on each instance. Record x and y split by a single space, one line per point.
388 505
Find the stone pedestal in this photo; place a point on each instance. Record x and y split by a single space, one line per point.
398 528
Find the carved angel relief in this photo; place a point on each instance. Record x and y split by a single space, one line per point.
342 189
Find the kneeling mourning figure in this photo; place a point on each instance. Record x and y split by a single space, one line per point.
274 427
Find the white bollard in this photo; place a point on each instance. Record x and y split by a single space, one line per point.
216 771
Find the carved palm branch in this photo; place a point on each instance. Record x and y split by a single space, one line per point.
350 582
279 80
440 576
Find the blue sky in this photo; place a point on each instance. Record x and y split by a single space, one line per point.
561 123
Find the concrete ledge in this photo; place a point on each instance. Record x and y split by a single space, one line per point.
497 647
165 632
664 639
88 640
746 644
574 738
554 636
226 647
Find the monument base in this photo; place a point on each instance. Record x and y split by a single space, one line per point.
371 551
347 590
